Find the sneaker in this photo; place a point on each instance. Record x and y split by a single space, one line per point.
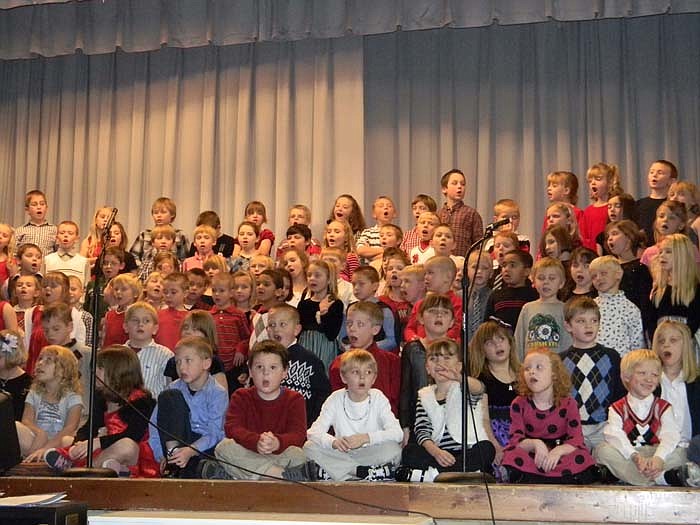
305 472
211 469
56 460
690 474
376 472
416 475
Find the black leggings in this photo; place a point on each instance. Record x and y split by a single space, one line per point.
479 457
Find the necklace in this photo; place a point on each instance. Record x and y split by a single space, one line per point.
366 414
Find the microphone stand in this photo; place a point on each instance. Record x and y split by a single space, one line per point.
89 471
464 476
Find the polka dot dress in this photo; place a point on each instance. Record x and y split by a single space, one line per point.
555 426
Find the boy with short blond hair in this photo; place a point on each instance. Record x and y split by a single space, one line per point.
66 259
363 323
412 285
170 318
224 243
307 374
162 239
265 425
541 322
141 324
37 230
163 212
366 440
191 408
620 319
368 244
204 241
421 203
465 221
594 368
642 434
508 209
440 273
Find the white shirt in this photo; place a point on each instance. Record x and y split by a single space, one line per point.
669 435
373 416
675 393
153 358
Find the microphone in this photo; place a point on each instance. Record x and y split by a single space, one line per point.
495 225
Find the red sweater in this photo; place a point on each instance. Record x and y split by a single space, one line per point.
169 322
114 332
388 375
249 415
414 330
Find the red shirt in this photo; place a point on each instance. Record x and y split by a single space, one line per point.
388 375
249 415
233 332
114 331
169 322
414 330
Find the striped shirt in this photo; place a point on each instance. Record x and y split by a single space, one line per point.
153 358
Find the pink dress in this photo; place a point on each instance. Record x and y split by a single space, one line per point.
556 426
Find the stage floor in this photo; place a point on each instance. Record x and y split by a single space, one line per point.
511 503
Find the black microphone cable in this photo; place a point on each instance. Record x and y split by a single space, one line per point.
204 455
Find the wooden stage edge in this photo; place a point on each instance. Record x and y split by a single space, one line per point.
546 504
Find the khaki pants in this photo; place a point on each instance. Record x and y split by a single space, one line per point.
626 470
244 460
342 465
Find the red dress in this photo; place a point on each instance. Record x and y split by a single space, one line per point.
556 426
37 340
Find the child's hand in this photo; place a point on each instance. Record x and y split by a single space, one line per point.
356 440
499 454
541 452
639 462
443 457
324 305
341 445
36 456
238 359
181 456
268 443
552 459
654 468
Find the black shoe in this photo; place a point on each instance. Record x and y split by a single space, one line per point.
210 469
601 474
376 472
305 472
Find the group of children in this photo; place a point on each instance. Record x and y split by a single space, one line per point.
339 359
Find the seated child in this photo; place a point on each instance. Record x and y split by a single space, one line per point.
13 378
366 435
192 408
265 425
120 425
53 405
641 435
594 368
546 443
438 422
620 319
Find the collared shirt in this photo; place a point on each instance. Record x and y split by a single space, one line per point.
143 245
466 225
153 358
43 235
668 434
207 411
674 391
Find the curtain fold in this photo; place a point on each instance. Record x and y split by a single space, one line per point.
210 127
52 28
509 104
